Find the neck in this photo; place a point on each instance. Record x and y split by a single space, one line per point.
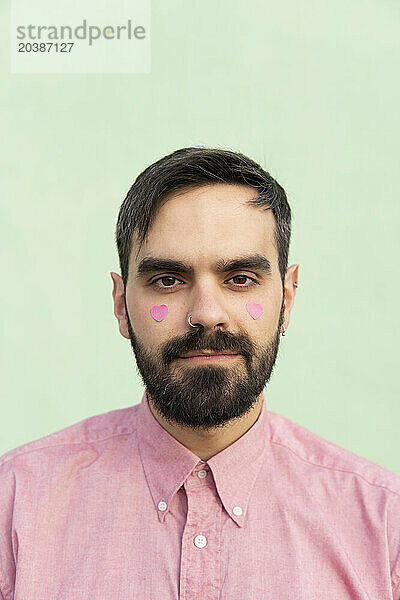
206 444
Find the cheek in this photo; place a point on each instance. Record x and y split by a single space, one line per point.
254 309
159 312
260 320
158 321
147 318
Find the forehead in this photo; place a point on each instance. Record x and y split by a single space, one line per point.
211 221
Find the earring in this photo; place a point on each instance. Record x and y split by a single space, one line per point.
284 330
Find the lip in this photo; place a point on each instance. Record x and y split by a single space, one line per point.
206 353
208 357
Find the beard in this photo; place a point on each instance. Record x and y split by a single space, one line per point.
205 396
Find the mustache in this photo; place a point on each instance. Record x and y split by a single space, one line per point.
216 341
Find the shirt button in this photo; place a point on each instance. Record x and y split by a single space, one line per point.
202 473
162 505
237 511
200 541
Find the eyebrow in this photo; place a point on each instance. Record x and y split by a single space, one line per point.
151 264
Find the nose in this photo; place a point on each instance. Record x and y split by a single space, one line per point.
207 308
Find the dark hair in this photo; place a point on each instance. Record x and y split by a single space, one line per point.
195 167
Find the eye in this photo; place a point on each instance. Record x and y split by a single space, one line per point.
243 285
166 282
155 283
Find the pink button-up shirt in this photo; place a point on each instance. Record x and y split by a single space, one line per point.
114 508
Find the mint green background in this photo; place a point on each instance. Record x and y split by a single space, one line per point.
308 89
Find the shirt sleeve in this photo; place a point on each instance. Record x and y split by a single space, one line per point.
7 564
393 535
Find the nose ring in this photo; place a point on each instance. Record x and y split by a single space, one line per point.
190 323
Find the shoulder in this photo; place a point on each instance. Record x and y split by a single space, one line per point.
308 447
89 431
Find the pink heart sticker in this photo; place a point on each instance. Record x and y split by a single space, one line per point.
255 310
159 312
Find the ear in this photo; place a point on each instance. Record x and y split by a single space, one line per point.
291 278
119 304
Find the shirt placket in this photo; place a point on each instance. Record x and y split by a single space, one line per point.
201 540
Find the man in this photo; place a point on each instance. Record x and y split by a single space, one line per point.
199 491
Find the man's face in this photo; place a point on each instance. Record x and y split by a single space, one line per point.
200 227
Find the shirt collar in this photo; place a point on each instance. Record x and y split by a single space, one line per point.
167 463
